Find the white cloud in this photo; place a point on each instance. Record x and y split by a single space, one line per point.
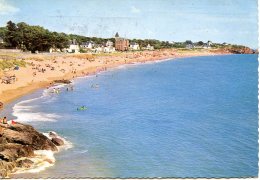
6 8
135 10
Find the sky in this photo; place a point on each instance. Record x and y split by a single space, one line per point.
231 21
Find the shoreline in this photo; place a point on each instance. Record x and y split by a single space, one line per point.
11 94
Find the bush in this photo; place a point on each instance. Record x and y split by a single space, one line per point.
7 64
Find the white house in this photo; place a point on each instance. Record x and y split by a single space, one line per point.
1 40
109 49
87 45
99 49
207 45
189 46
73 47
52 50
149 47
134 46
109 43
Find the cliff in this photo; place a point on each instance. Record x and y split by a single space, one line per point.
18 143
241 50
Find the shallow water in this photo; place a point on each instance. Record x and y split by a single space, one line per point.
191 117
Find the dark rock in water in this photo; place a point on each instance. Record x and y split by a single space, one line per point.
57 141
62 81
19 141
53 134
1 105
26 163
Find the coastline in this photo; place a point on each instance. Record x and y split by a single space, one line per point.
27 84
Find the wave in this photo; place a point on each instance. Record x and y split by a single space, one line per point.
25 114
67 144
44 158
25 111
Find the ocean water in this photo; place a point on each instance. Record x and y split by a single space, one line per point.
190 117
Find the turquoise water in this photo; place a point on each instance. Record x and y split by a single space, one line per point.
191 117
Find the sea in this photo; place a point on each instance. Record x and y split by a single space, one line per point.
182 118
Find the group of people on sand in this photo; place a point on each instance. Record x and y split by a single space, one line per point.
6 123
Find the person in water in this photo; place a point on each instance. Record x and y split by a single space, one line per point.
82 108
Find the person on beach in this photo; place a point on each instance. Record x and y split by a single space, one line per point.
13 122
4 121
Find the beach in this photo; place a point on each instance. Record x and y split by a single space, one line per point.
42 69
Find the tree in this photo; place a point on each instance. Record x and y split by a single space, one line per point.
11 36
200 43
188 42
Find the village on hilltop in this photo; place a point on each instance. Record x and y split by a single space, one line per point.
121 44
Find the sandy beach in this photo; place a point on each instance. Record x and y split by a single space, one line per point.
42 69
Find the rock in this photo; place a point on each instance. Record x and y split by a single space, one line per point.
62 81
19 141
57 141
1 105
25 163
3 172
241 50
11 151
6 168
27 135
53 134
3 140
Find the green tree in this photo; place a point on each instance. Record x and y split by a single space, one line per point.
11 37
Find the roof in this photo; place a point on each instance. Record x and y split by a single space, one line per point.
87 43
116 35
133 43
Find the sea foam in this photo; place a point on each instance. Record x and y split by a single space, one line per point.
44 158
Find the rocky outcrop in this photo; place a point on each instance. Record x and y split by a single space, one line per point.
62 81
57 141
18 142
243 50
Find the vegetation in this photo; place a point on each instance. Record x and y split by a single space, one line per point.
6 64
36 38
32 38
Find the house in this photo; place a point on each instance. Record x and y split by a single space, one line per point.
99 49
149 47
134 46
225 44
121 44
189 46
109 49
207 45
87 45
73 47
109 43
1 40
52 50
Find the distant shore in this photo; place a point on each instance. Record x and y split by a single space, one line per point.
43 69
